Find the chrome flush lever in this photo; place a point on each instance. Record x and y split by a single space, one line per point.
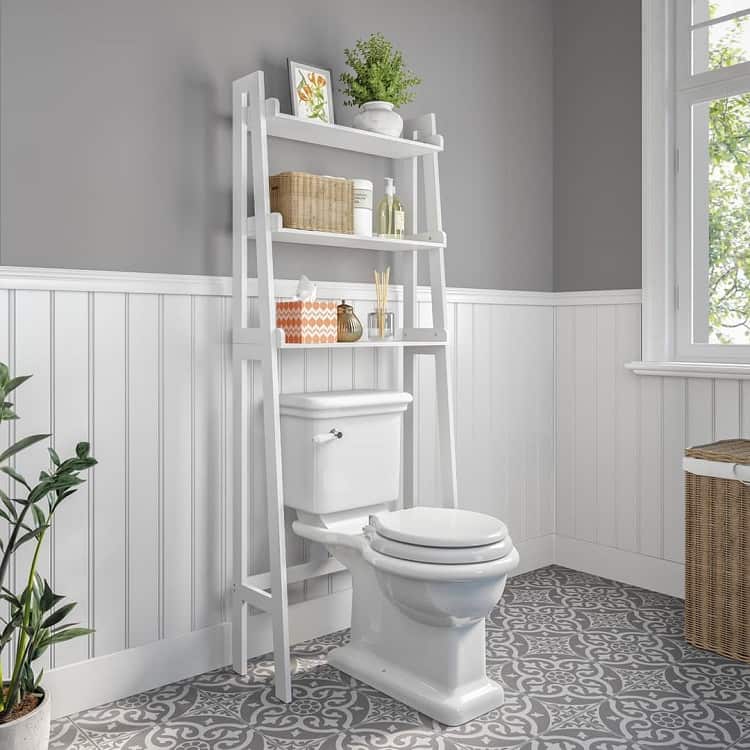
326 437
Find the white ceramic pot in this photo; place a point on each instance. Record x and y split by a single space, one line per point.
29 732
379 117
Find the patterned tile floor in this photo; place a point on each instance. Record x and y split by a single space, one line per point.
586 662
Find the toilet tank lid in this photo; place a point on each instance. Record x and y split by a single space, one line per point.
336 403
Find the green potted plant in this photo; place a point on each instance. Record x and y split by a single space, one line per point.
379 83
34 616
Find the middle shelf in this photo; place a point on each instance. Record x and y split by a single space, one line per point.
280 233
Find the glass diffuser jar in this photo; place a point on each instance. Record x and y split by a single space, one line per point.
374 323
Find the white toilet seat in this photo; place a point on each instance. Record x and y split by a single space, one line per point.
432 572
439 527
440 555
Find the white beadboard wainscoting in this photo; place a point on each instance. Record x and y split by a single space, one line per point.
620 438
139 364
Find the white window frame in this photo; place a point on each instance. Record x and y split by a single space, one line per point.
668 94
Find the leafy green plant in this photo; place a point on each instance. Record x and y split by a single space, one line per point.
379 74
35 617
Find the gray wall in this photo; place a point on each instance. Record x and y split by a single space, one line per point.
115 129
597 66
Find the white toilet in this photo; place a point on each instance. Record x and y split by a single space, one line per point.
423 578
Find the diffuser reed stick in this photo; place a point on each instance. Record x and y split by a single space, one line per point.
382 280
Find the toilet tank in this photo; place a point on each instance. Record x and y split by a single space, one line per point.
325 473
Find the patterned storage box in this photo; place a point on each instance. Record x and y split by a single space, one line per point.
307 322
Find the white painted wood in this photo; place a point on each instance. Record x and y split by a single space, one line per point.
651 502
70 530
585 448
33 315
240 373
726 409
606 366
350 241
711 370
109 478
674 444
565 392
143 498
465 438
657 81
267 321
71 280
429 486
700 415
627 429
209 335
622 565
516 476
346 138
178 427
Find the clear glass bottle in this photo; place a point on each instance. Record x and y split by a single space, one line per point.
391 215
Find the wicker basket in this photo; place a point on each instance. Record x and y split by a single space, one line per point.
309 201
717 553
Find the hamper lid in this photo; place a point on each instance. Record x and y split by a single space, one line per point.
732 451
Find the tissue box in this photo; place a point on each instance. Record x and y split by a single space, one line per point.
306 322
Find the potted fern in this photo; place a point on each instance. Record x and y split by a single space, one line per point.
379 83
34 616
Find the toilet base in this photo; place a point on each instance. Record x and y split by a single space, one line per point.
450 708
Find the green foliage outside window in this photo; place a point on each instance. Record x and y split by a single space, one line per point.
729 205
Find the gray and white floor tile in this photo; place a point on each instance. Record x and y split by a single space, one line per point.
587 664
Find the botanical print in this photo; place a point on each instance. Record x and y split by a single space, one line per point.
311 92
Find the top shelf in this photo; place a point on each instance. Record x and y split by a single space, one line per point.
348 139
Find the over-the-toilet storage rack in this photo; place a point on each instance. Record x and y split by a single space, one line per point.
258 117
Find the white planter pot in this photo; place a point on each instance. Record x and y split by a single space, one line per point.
30 732
379 117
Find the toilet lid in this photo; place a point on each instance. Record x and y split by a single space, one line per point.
442 555
439 527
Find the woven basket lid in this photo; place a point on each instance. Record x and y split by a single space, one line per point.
733 451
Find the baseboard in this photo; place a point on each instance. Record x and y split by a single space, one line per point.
535 553
651 573
106 678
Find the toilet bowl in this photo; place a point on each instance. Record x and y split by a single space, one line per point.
423 578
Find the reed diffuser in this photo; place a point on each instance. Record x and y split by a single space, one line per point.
380 324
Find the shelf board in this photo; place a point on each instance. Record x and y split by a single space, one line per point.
342 137
352 241
367 344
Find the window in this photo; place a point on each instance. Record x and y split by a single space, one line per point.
712 180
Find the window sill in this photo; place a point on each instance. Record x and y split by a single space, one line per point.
713 370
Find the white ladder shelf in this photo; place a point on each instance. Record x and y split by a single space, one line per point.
259 118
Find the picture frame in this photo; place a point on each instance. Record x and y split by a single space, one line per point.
311 90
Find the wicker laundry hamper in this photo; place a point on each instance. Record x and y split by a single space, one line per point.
717 557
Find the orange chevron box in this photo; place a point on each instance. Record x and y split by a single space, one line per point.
307 322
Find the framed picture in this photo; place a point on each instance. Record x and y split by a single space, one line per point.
311 92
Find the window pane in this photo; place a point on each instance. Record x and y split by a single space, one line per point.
704 10
721 221
721 45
